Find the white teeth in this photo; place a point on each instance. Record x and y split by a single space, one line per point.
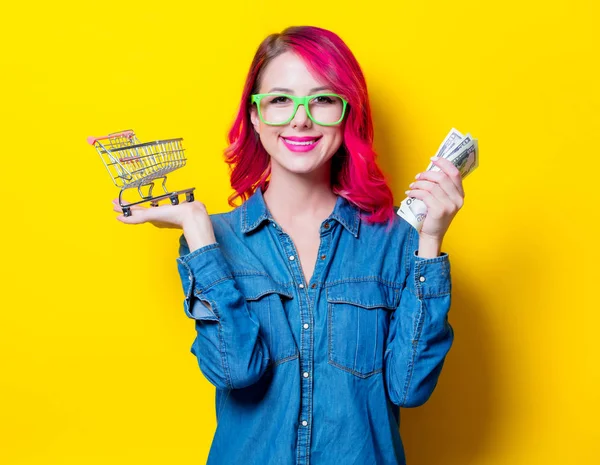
300 143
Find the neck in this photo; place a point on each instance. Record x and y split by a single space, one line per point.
296 199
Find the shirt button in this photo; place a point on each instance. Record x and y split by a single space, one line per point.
306 374
301 286
326 225
305 423
291 257
313 285
422 278
323 257
305 325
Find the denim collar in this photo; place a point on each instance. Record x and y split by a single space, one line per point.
255 212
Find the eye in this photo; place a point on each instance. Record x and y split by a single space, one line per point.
323 99
279 99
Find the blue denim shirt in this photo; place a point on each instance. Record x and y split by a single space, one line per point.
314 373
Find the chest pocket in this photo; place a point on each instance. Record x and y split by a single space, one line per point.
265 299
358 315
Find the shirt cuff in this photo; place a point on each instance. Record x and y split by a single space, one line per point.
430 277
199 270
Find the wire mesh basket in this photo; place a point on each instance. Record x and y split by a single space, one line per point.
135 164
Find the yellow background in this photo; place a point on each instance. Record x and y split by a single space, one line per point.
95 365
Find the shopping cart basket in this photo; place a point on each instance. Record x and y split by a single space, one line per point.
132 163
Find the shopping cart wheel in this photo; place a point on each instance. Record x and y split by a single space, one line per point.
154 203
174 199
189 196
126 211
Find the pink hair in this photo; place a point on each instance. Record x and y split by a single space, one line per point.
354 172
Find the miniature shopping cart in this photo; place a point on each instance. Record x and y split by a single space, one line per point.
132 163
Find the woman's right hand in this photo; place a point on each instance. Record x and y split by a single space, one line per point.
192 217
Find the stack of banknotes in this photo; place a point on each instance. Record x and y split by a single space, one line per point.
462 151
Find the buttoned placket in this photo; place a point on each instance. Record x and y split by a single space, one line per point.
307 295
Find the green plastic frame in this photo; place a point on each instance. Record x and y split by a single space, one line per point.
256 98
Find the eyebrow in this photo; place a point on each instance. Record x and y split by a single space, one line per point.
290 91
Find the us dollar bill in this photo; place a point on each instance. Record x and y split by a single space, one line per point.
463 152
453 138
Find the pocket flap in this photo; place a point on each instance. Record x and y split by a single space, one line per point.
367 294
255 286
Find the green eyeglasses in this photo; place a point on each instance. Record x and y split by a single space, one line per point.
279 109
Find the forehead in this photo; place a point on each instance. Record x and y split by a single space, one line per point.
289 71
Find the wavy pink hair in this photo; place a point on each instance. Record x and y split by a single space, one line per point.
354 172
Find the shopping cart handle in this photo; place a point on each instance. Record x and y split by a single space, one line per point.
92 140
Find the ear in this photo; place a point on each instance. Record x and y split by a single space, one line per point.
255 119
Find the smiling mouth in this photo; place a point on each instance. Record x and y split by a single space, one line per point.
301 143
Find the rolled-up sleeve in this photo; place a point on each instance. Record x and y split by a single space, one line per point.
420 335
228 347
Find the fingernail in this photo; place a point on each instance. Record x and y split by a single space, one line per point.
434 158
407 192
418 176
411 184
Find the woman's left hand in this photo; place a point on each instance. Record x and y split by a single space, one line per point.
443 193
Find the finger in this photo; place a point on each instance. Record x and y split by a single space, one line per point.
444 182
437 192
433 204
155 215
452 171
136 213
118 208
443 190
135 217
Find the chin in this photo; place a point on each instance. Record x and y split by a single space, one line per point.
297 165
298 168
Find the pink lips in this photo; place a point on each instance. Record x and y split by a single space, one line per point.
300 148
300 139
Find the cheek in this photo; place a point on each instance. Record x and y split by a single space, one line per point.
272 134
267 132
269 136
335 137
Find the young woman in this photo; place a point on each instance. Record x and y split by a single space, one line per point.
318 310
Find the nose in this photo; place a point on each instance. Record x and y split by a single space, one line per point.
301 117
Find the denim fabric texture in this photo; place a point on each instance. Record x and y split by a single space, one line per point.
314 373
